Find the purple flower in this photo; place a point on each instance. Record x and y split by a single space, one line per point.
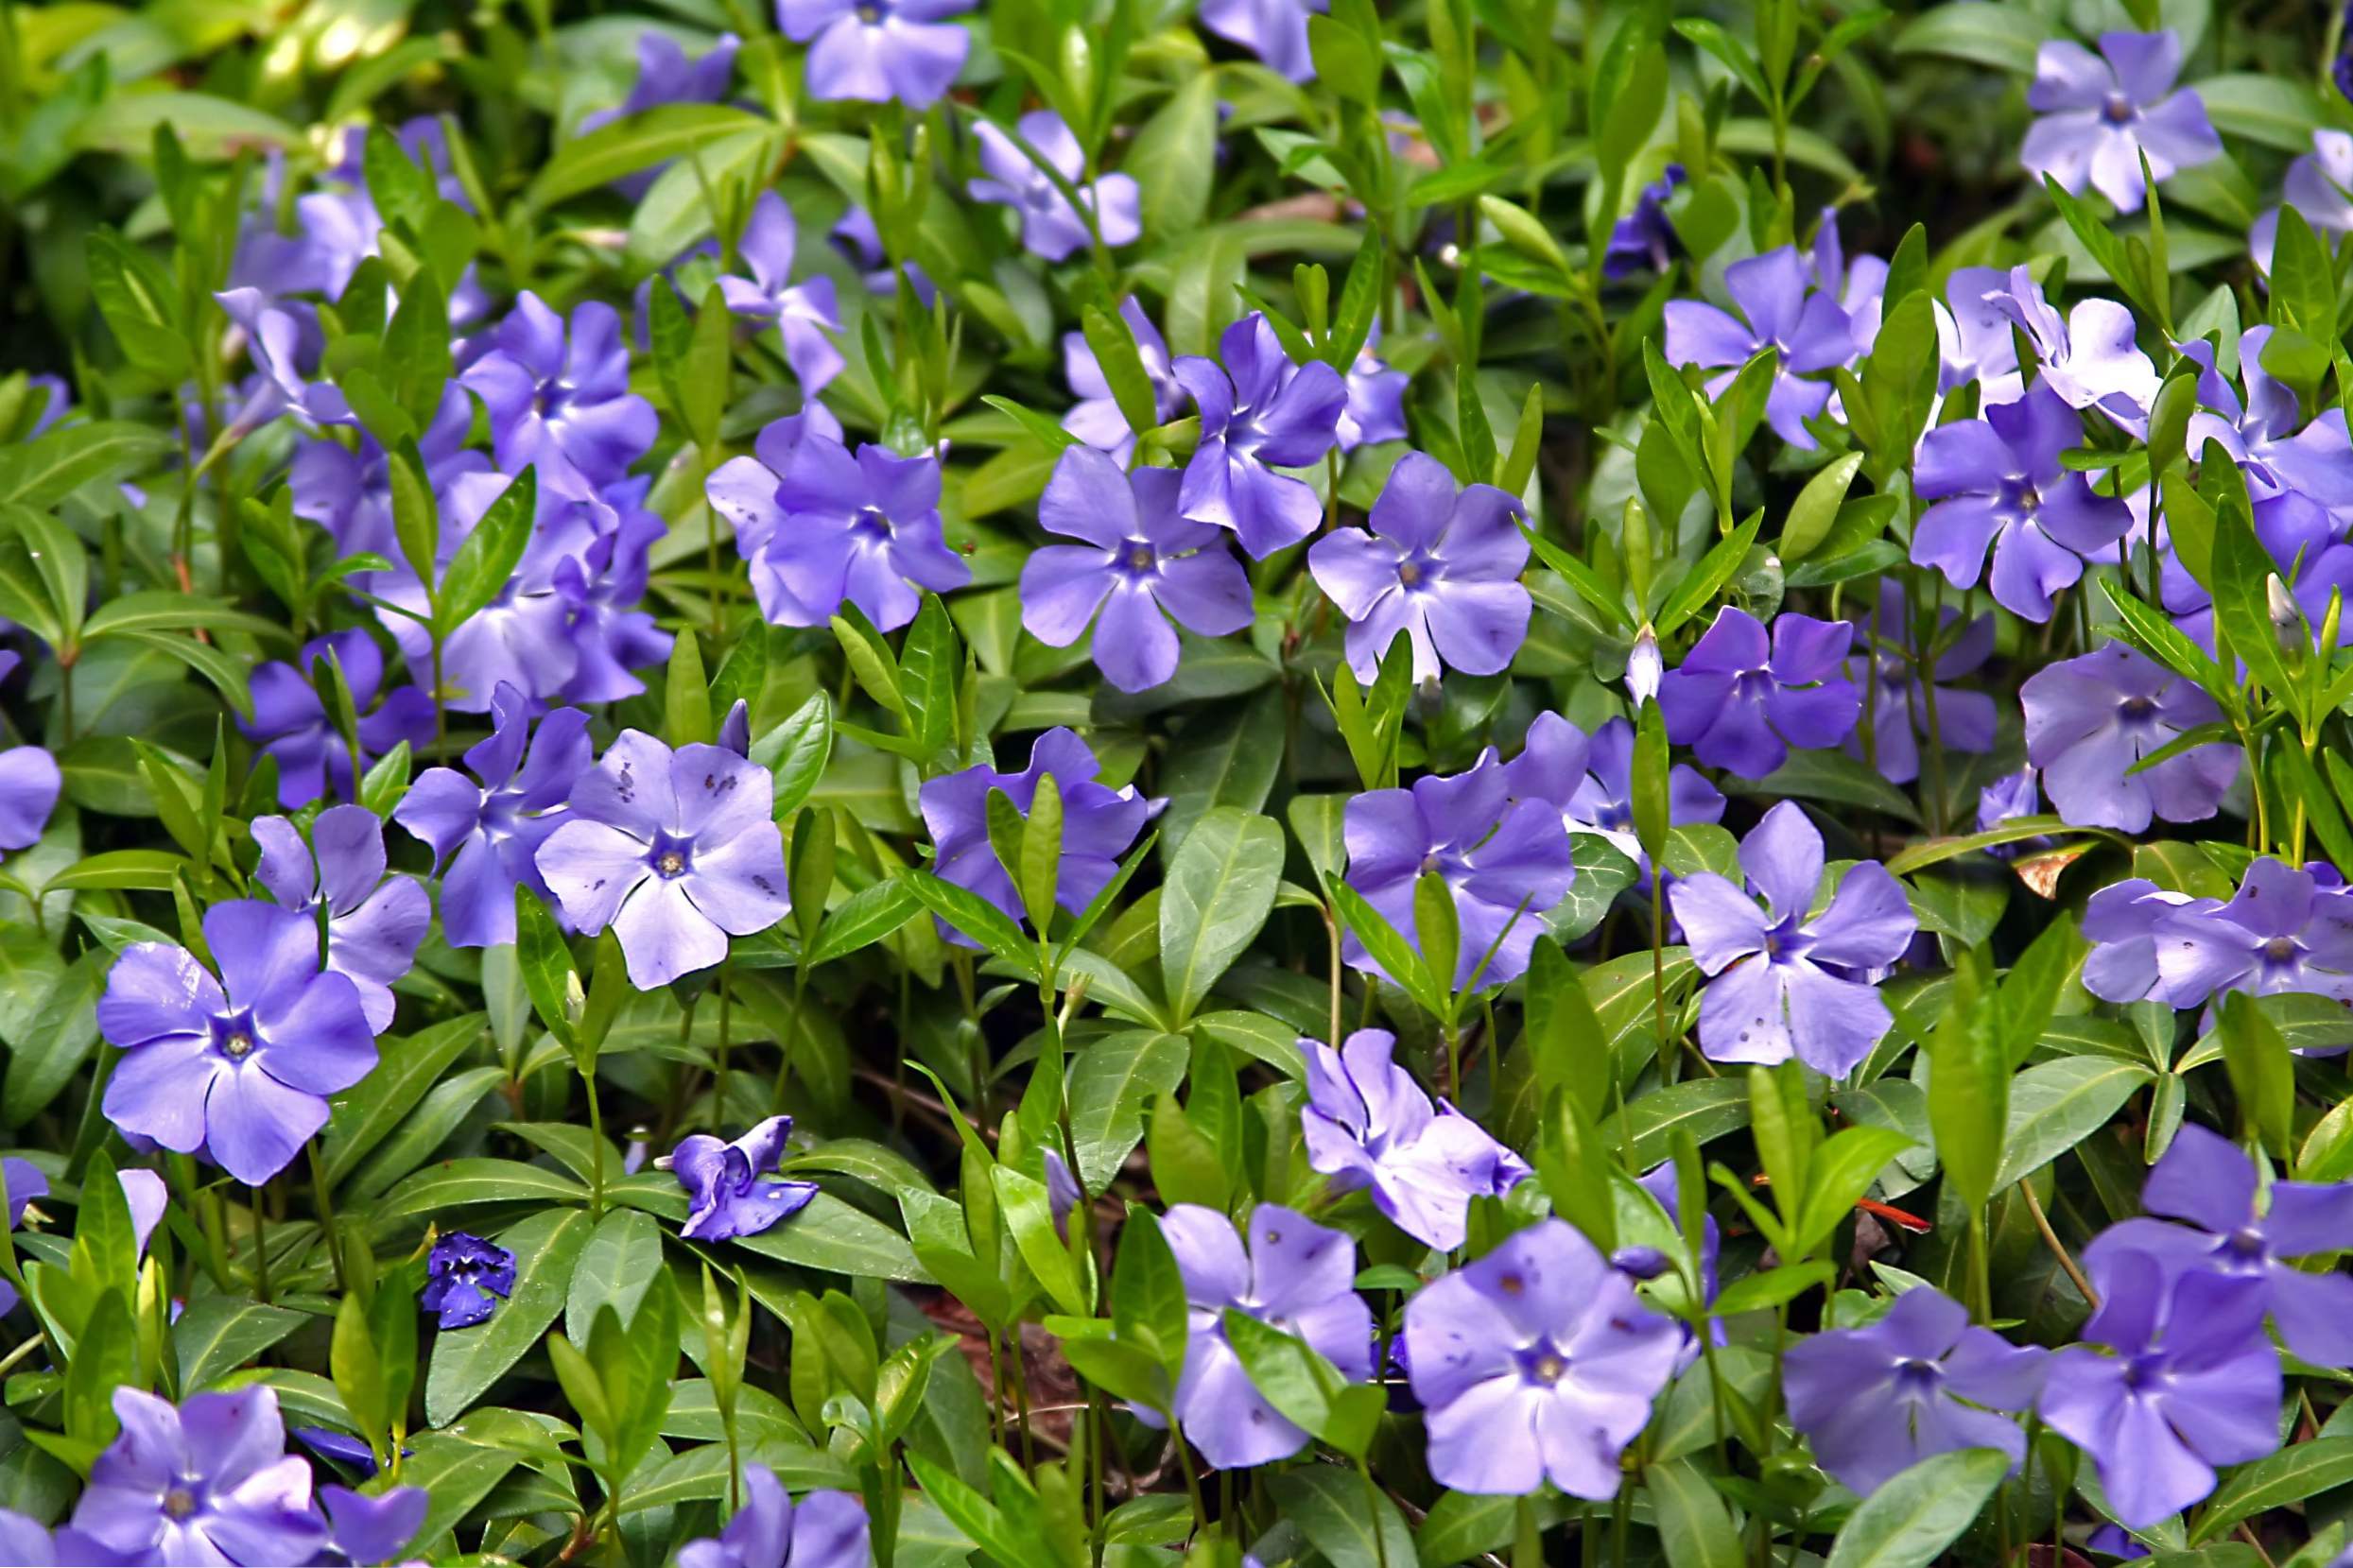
804 313
1860 285
1876 1401
374 923
831 526
2005 800
1779 310
465 1278
1507 862
349 492
724 1183
25 1543
560 398
1290 1272
1973 338
1142 565
208 1482
608 637
1778 985
2089 356
2265 433
2286 930
827 1530
1441 566
1096 418
1274 30
1063 1193
1376 408
240 1066
29 783
1886 667
1537 1362
23 1183
2001 480
2211 1185
2319 186
1258 413
1644 240
373 1529
877 50
495 829
674 850
2100 116
1591 782
1740 700
1051 228
2088 719
857 238
1367 1123
665 75
280 340
1666 1189
1098 823
289 721
2193 1384
2123 922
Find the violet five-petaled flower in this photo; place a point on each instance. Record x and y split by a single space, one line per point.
1903 712
2091 719
1260 412
373 921
1051 228
1284 1270
2087 356
1368 1125
2265 433
290 722
558 396
730 1190
1780 980
1439 565
1781 312
1538 1362
1274 30
1142 564
1591 781
878 50
676 850
804 313
207 1482
2287 929
30 782
1874 1400
2103 114
826 1529
1506 863
240 1066
1099 823
485 835
465 1278
1742 697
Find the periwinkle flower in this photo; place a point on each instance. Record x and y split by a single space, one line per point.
1142 565
1536 1363
1367 1123
1284 1270
608 637
1098 823
1274 30
2088 719
23 1183
676 850
1858 286
1591 782
373 921
557 395
1780 312
281 340
730 1189
826 1529
2209 1184
856 237
2288 929
1439 566
30 782
2103 114
665 75
1506 862
2194 1384
832 527
1874 1401
804 313
2089 356
240 1066
465 1279
347 490
2266 435
290 722
485 835
1904 713
2123 922
1051 228
24 1540
2319 186
209 1482
1096 418
1741 698
1779 983
1644 240
1258 412
363 1529
878 50
1974 340
1375 407
2005 800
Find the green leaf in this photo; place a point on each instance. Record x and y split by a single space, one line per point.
1817 507
1996 36
930 666
546 1248
1388 948
139 300
486 558
1339 1514
1695 1527
475 1179
1837 1173
796 751
1122 365
864 917
1912 1518
2056 1105
626 146
1969 1088
974 916
1173 157
1706 1108
2262 1075
47 469
1220 891
217 1335
1699 586
1111 1082
2286 1477
621 1262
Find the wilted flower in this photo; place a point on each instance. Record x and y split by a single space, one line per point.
240 1066
1644 240
208 1482
29 783
1536 1363
728 1183
2103 114
1367 1123
1779 985
1258 412
1591 782
676 850
290 723
1096 418
1098 823
558 396
1290 1272
2088 719
374 923
1439 565
1802 327
826 1529
804 313
364 1528
1274 30
1886 667
1742 699
1873 1402
1142 565
877 50
465 1278
1051 228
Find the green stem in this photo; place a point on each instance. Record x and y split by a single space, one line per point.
596 1147
326 1214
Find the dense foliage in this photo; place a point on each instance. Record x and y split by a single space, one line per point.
1089 781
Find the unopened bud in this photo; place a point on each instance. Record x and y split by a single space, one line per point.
1643 668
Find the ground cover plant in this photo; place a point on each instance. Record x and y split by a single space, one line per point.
1097 782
